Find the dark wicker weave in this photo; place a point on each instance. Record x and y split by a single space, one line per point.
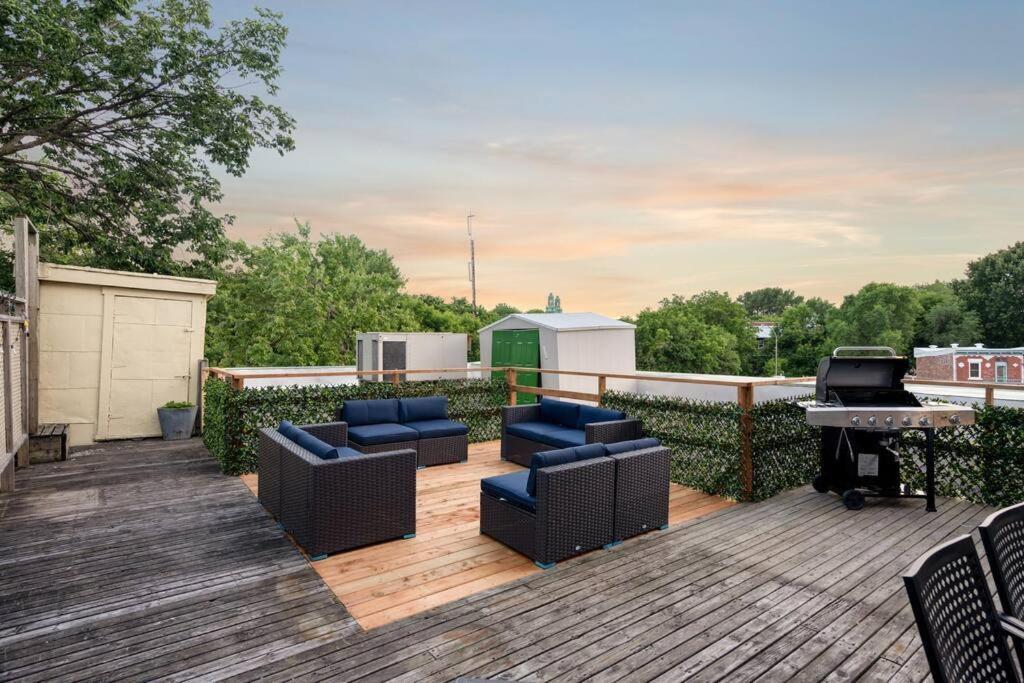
964 637
384 447
443 450
575 513
333 505
1002 533
520 450
641 491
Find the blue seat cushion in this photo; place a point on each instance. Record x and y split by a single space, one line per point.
560 412
511 487
590 414
627 446
375 434
345 452
547 433
377 411
302 438
420 409
435 429
560 456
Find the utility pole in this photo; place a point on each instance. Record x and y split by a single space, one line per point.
775 333
472 258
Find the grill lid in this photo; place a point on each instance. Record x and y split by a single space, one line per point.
842 372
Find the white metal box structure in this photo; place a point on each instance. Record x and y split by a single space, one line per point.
412 351
585 342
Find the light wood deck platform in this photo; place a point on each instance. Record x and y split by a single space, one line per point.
138 561
449 559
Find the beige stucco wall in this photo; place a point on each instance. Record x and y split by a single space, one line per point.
77 358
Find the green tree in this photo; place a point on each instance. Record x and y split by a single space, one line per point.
112 114
880 314
803 331
502 310
994 291
706 333
768 302
292 301
944 318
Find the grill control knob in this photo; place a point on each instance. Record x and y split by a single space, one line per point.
889 421
923 421
954 419
872 420
855 420
907 421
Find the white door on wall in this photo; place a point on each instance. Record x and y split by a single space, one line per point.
149 363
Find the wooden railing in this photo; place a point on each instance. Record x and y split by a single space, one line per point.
15 385
744 391
989 387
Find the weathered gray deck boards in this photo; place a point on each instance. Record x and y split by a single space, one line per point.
139 562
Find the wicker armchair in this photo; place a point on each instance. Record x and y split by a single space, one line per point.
574 512
641 491
333 505
519 450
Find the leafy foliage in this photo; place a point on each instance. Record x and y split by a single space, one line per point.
944 318
111 114
879 314
994 290
296 301
768 302
803 332
233 418
708 332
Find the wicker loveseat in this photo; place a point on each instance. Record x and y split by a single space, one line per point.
549 424
421 424
339 499
574 500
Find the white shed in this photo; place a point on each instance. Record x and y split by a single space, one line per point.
585 342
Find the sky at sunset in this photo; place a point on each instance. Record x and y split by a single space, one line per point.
618 153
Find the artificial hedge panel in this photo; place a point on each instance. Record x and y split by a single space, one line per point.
785 448
704 437
233 418
983 462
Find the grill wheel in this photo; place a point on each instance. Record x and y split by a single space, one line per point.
853 499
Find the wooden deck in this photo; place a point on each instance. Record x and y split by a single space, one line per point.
449 559
139 562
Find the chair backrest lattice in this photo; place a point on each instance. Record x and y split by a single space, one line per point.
1003 536
956 616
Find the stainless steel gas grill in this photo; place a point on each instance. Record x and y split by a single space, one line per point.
862 407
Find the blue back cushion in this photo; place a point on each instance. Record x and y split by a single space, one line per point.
559 412
627 446
426 408
590 414
319 448
547 459
560 457
373 412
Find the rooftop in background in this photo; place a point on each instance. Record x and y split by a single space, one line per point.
566 321
976 349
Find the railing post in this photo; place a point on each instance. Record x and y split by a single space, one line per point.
745 398
395 377
602 386
237 383
510 379
990 396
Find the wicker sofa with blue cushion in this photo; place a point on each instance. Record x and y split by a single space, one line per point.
574 500
549 424
331 497
421 424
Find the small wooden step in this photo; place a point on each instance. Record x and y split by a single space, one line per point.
49 444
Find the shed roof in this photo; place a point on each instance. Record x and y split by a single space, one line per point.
80 275
566 321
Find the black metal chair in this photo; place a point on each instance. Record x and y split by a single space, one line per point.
1002 534
964 637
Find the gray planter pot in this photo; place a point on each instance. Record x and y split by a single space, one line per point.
176 423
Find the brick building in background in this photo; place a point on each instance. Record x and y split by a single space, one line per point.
970 364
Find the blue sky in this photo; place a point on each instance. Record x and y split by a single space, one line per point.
619 153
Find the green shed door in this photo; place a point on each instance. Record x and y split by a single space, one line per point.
521 349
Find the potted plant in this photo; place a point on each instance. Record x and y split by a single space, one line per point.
176 419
